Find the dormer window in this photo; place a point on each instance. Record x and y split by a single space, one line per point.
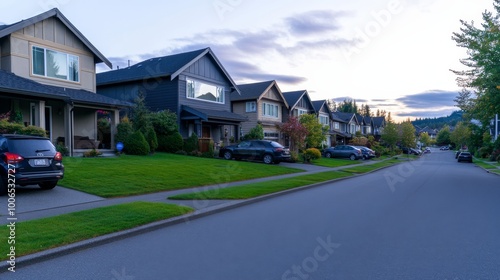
55 64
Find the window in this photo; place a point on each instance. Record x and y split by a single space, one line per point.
271 135
270 110
251 106
337 125
205 92
323 120
301 112
55 64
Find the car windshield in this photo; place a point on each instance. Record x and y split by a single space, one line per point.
276 145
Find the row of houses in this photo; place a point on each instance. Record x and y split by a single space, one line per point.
48 74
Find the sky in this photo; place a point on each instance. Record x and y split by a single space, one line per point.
392 55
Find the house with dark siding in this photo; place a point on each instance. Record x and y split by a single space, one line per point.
194 85
323 113
299 103
48 76
263 103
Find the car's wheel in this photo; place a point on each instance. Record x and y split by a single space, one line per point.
48 185
3 186
352 157
268 159
328 155
365 157
227 155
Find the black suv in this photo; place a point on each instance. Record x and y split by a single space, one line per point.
265 150
31 159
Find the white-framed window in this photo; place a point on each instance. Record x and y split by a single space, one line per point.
203 91
251 106
271 135
270 110
337 125
324 120
55 64
301 112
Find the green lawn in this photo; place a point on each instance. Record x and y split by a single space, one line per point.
335 162
133 175
38 235
259 189
370 167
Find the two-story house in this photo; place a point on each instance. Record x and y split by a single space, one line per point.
323 113
194 85
349 122
378 127
48 75
299 103
263 103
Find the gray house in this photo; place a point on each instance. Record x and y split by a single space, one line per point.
194 85
324 113
263 103
48 74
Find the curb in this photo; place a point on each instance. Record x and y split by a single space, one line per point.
108 238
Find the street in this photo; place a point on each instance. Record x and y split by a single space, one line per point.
432 218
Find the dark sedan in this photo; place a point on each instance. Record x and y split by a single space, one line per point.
464 156
367 152
265 150
343 151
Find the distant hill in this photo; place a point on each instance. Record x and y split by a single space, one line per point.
438 123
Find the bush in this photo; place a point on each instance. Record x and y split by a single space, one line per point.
136 144
495 155
151 139
123 130
164 122
256 133
171 143
191 144
311 154
484 152
33 130
92 153
62 149
17 128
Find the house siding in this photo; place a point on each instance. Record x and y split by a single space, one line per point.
49 33
240 108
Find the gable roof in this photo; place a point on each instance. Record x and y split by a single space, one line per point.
378 121
166 66
11 83
6 30
318 104
255 91
293 97
346 117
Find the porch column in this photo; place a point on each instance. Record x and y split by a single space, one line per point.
41 113
68 128
115 120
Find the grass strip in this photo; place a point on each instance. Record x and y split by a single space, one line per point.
370 167
38 235
133 175
259 189
334 162
484 165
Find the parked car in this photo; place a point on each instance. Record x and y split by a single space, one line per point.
410 151
427 150
29 160
444 148
265 150
366 152
343 151
464 156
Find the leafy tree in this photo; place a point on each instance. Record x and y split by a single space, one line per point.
425 139
443 136
296 133
141 116
407 134
480 97
316 132
365 110
331 105
390 135
461 135
256 133
164 122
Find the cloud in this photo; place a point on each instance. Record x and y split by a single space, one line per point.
426 114
313 22
429 99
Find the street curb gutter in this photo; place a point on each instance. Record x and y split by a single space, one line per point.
109 238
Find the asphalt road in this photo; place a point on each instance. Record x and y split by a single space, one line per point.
430 219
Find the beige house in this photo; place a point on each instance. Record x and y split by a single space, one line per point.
48 74
263 103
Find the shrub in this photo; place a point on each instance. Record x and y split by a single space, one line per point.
164 122
17 128
484 152
123 130
62 149
495 155
171 143
136 144
294 156
191 144
33 130
311 154
92 153
151 139
256 133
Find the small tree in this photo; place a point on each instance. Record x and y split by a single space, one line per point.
136 144
461 135
256 133
316 132
407 134
425 139
443 136
123 130
191 144
296 133
390 135
151 139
